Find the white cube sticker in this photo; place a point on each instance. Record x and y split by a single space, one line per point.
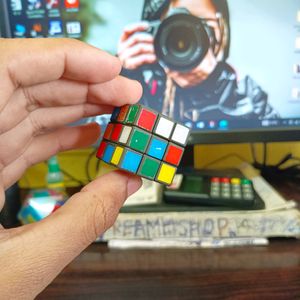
164 127
125 134
180 134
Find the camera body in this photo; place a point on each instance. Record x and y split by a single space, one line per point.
180 40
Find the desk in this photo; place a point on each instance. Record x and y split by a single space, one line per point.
271 272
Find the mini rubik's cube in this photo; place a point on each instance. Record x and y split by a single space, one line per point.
143 142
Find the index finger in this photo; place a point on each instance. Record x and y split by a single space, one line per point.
33 61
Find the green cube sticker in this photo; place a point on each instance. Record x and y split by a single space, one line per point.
149 167
139 140
131 116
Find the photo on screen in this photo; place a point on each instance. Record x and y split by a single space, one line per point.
211 64
203 60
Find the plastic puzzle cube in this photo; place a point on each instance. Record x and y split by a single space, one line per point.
144 142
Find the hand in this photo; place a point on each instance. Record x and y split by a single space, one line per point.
197 75
46 84
136 47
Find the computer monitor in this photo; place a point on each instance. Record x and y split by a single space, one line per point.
228 69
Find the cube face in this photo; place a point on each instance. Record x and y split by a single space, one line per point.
157 148
108 153
101 149
132 114
108 131
116 132
139 140
115 114
117 155
123 113
149 167
180 134
125 134
131 161
164 127
166 173
173 154
146 119
143 142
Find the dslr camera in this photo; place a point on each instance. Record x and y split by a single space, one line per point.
180 40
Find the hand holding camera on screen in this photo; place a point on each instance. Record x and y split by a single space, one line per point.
196 75
179 43
136 46
180 55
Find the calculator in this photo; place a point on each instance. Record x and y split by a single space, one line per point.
205 190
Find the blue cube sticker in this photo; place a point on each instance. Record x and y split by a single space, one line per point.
131 161
109 151
115 114
157 148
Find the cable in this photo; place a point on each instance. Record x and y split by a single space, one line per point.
243 159
256 163
265 154
284 160
72 177
291 172
87 164
98 165
295 158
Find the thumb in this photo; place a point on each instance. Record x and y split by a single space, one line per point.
38 252
94 209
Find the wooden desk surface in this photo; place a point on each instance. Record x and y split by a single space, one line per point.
270 272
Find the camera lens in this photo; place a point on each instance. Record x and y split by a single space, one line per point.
181 42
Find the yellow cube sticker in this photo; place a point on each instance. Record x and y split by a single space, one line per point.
117 155
166 173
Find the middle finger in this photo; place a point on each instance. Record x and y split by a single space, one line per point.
64 92
15 141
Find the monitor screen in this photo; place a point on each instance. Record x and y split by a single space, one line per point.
230 70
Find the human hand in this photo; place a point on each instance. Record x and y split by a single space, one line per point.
136 46
46 84
196 75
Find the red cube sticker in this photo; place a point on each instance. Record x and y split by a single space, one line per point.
147 119
108 131
116 132
123 113
173 155
101 149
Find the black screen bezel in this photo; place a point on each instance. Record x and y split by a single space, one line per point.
245 136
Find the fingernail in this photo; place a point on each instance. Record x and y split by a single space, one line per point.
133 185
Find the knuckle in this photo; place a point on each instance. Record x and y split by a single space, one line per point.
35 124
32 102
141 48
84 110
135 39
11 71
39 124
